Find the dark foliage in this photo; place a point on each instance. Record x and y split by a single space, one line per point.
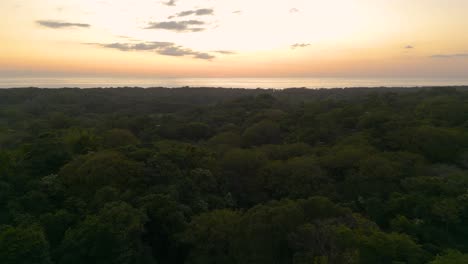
335 176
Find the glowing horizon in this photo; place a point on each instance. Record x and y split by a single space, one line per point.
256 38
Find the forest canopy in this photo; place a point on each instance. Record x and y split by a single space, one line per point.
295 176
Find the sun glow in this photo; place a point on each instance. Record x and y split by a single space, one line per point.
238 38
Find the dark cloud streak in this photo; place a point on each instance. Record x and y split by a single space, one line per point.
170 3
61 24
143 46
178 26
162 48
197 12
450 56
300 45
225 52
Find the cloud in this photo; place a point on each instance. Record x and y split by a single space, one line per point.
449 56
179 51
225 52
174 51
143 46
197 12
60 24
170 3
119 46
204 56
409 47
300 45
294 10
179 26
128 38
162 48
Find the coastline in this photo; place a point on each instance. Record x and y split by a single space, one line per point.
457 87
246 83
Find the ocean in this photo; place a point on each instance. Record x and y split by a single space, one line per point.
251 83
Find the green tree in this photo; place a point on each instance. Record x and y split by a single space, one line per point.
240 167
112 236
451 257
119 137
195 131
55 225
264 132
90 172
295 178
264 232
23 245
212 236
166 219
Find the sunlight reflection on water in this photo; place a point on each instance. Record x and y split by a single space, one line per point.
275 83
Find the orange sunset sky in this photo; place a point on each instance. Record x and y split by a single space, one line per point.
234 38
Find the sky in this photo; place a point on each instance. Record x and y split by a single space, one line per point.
234 38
